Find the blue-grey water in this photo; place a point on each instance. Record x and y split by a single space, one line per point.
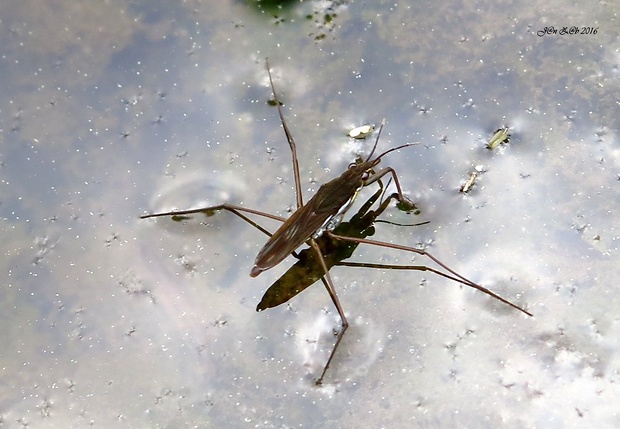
110 110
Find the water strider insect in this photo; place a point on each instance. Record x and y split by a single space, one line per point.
308 270
316 223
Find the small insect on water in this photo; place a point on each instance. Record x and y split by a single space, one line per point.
501 135
317 224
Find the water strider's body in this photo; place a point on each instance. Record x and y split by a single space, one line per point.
334 251
311 220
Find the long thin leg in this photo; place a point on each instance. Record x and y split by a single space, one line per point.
463 280
290 139
229 207
329 285
379 174
401 267
327 281
433 270
236 210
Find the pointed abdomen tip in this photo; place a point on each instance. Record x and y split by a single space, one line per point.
255 271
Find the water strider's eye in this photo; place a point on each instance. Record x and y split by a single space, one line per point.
359 160
365 175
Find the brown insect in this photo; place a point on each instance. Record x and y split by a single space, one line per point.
314 223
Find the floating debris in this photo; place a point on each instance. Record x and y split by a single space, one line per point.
470 182
500 136
361 132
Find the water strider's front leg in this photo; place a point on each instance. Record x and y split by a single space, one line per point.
406 203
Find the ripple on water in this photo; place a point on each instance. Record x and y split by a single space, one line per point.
200 243
197 190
